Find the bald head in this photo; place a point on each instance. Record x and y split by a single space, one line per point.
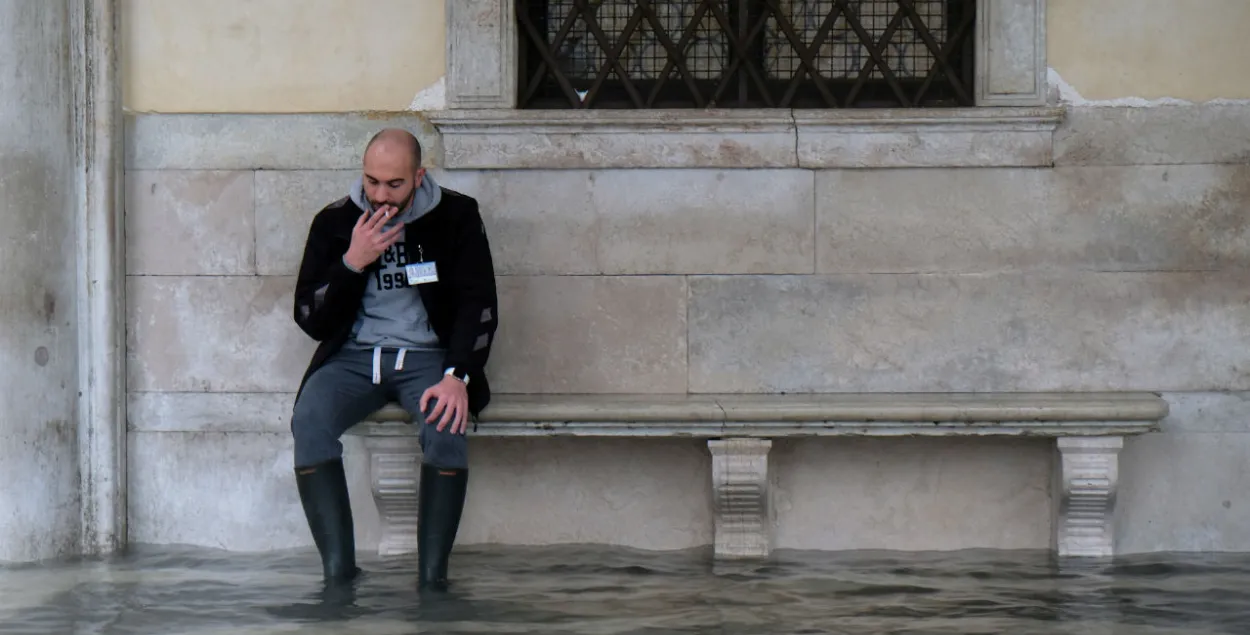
392 168
391 141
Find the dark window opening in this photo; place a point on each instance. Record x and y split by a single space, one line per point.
745 53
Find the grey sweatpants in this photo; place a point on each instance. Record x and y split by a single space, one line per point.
341 393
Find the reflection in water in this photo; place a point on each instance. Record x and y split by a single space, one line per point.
589 590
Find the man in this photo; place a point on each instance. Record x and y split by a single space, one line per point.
398 285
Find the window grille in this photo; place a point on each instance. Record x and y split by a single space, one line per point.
745 53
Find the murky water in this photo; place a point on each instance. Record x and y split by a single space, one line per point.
590 590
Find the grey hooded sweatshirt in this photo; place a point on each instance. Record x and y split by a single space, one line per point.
392 314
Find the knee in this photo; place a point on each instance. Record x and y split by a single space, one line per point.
306 421
444 449
313 434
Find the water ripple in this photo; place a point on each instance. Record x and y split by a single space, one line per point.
610 591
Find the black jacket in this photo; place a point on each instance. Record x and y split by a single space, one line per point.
463 305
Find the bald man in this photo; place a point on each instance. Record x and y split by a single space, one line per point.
398 286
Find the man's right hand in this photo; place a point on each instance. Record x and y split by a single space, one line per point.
368 239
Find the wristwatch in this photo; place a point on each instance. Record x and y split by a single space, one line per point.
458 374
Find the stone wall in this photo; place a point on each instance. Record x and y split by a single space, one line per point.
39 462
1119 267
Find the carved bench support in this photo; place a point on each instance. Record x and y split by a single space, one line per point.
1089 474
395 476
740 491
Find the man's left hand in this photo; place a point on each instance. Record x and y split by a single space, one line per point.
452 407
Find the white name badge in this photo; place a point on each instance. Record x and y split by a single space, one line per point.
421 273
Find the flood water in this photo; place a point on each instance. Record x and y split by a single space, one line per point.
592 590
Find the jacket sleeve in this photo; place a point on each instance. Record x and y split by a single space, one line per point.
475 296
326 292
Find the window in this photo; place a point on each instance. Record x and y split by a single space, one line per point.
642 54
590 84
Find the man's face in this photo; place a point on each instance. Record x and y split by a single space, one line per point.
390 177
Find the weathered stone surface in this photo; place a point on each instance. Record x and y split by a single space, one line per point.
1181 490
233 491
1185 491
1207 412
576 139
286 202
993 332
645 221
590 334
897 221
1094 218
704 221
1177 217
43 496
538 222
40 516
647 493
987 137
214 334
1165 135
221 412
190 223
912 494
332 141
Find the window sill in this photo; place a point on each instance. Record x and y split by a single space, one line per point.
597 139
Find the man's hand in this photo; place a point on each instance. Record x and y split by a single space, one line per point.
368 239
453 404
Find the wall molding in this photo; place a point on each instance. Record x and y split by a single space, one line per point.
101 294
583 139
481 54
1011 64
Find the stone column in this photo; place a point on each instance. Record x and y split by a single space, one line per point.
101 275
53 192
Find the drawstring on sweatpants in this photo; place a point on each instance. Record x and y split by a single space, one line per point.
377 362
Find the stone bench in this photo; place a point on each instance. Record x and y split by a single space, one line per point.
1088 428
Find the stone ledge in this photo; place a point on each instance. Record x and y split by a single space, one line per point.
577 139
965 137
844 414
586 139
